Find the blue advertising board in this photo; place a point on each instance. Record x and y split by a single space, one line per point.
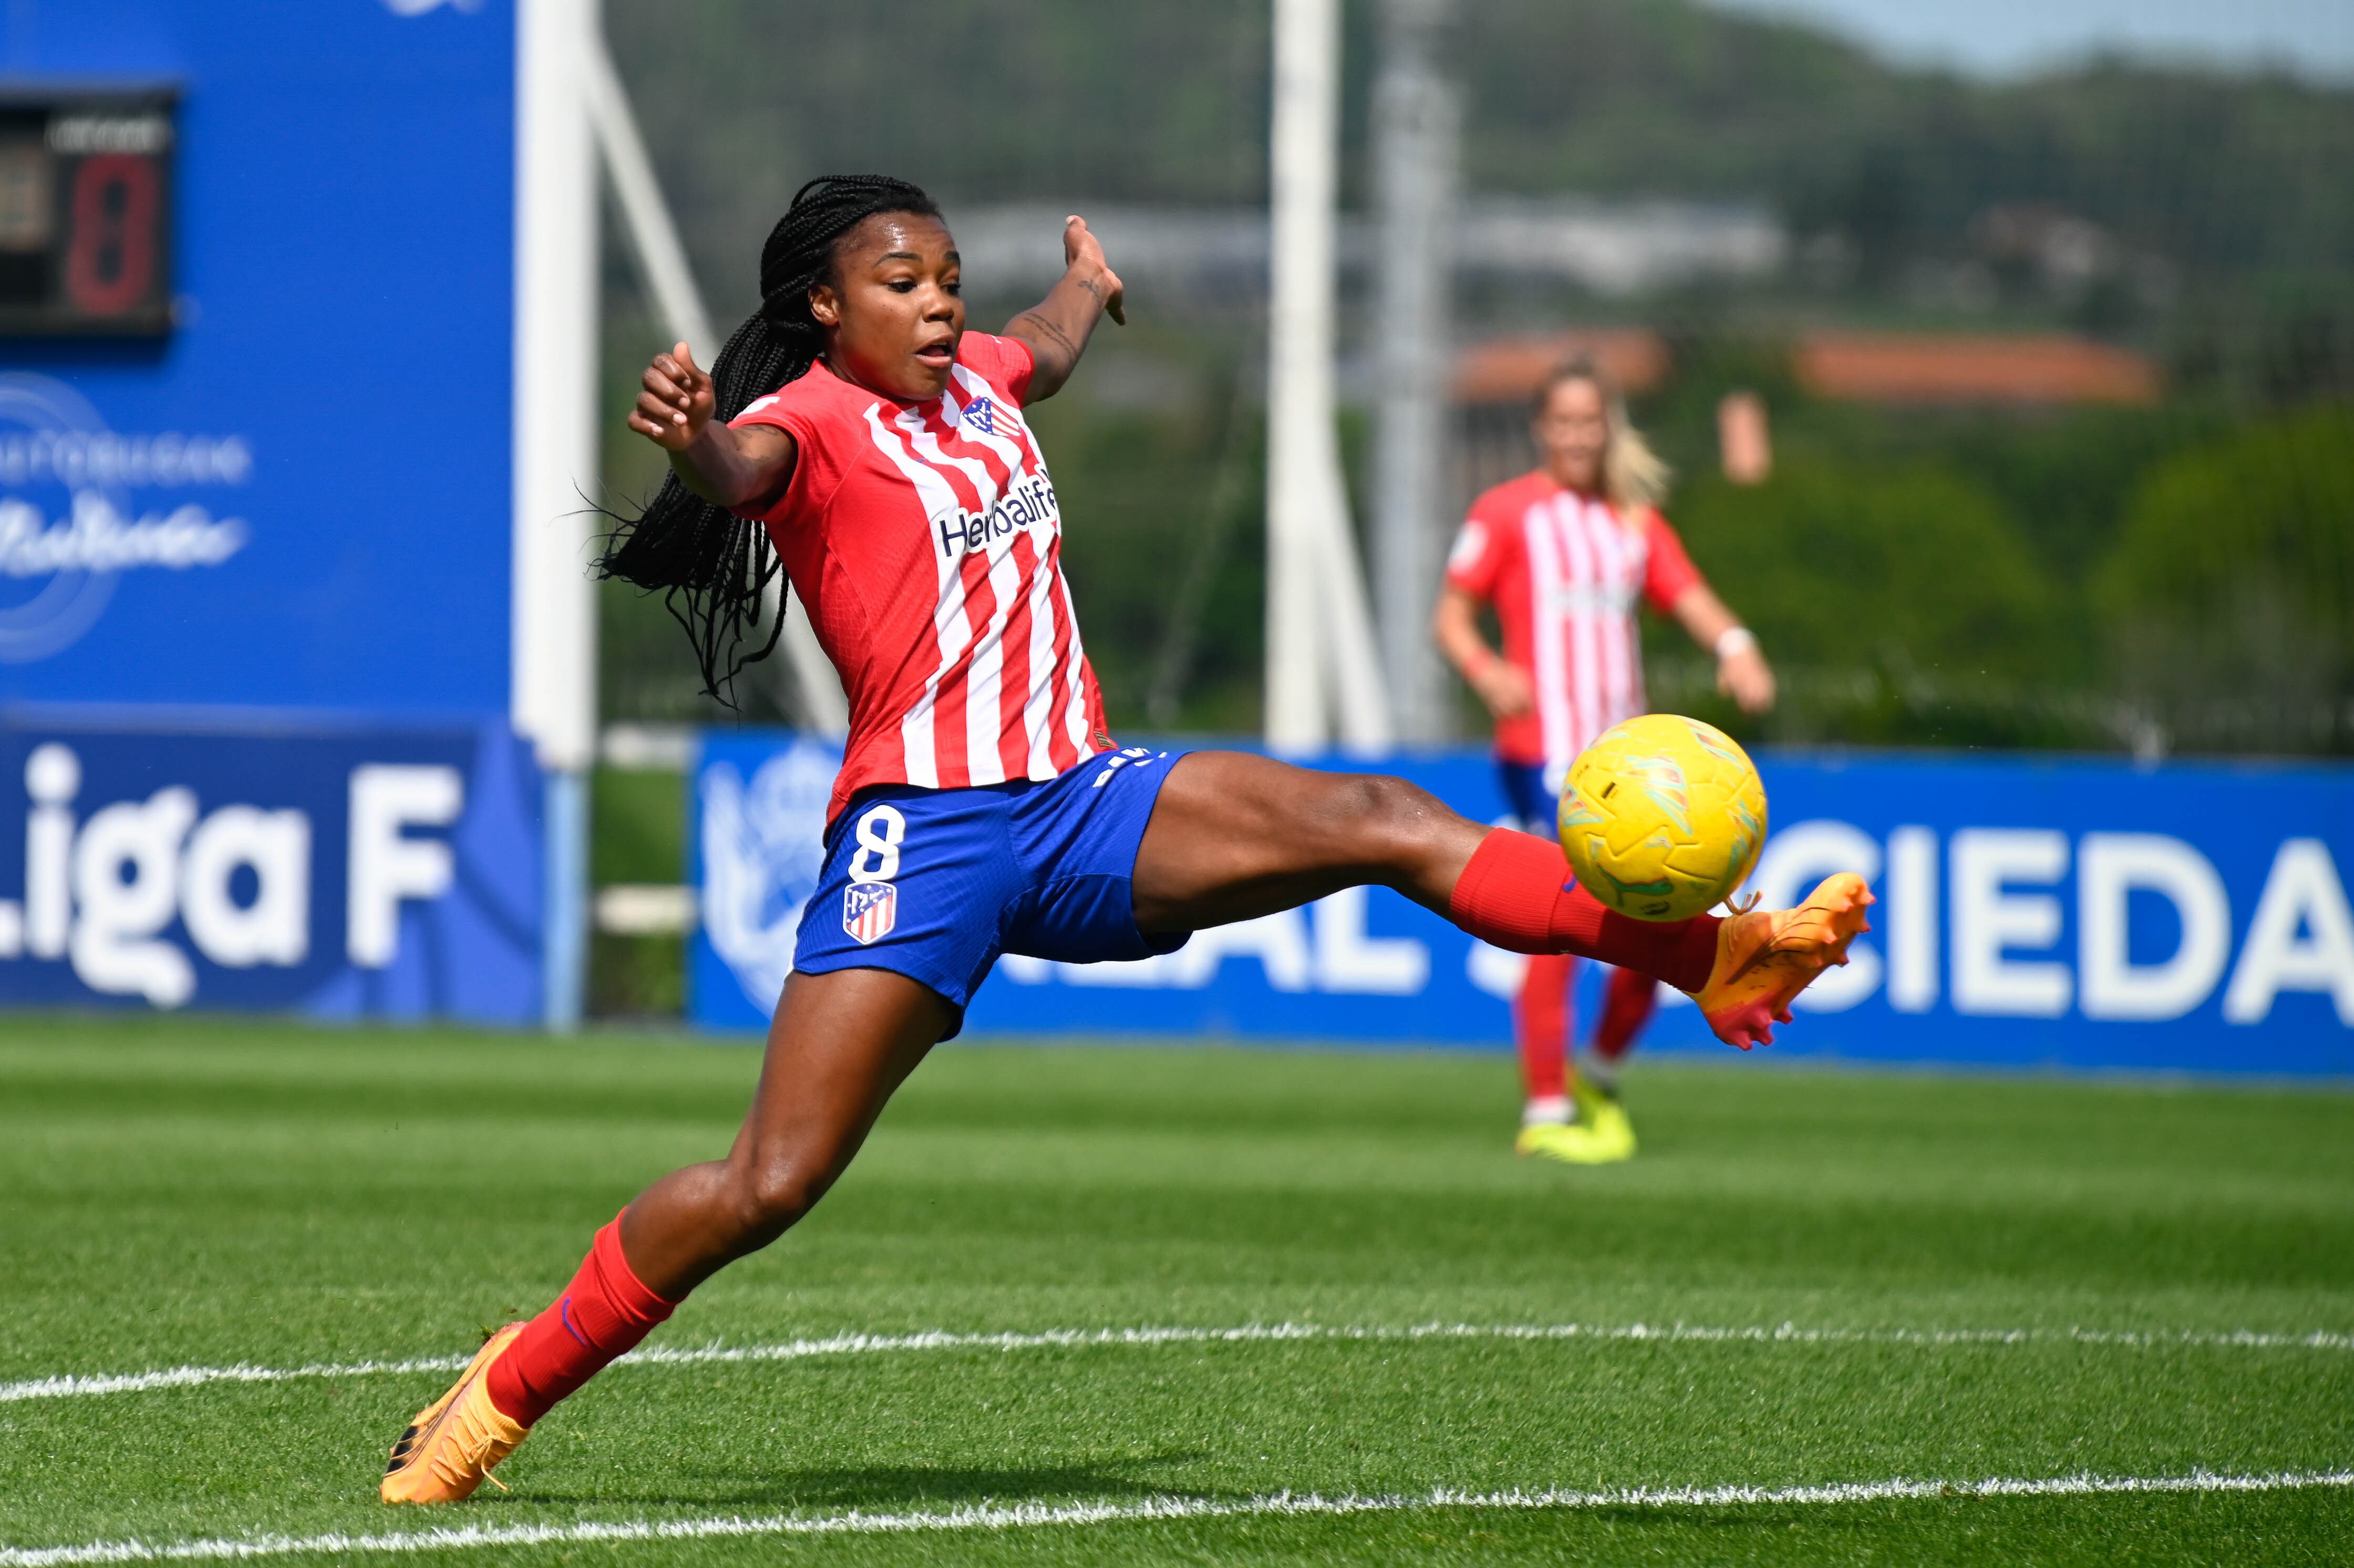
299 496
2078 913
256 502
338 873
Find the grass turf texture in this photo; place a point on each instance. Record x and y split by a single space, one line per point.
193 1191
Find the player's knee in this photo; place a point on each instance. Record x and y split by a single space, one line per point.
1383 816
766 1197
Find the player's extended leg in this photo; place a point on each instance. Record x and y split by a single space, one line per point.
1234 836
841 1044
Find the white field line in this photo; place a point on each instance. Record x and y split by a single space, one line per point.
72 1384
1024 1516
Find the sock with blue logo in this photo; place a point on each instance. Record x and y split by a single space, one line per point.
1518 894
602 1315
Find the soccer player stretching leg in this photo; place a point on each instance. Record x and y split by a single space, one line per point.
853 427
1565 554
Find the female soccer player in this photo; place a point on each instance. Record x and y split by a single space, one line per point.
853 427
1564 553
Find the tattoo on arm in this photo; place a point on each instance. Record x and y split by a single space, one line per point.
1038 319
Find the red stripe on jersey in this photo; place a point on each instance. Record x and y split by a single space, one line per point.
1063 681
1070 717
1014 666
994 665
949 712
982 475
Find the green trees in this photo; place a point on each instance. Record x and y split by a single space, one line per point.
1898 598
1913 567
2228 598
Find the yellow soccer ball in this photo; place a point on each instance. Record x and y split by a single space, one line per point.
1662 817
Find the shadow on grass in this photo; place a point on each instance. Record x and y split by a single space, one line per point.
888 1486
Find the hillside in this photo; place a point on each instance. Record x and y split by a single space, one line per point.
2216 179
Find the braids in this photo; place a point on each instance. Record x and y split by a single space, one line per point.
714 568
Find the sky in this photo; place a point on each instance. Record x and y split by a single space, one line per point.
2005 39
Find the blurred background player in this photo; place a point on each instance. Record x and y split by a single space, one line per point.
1563 554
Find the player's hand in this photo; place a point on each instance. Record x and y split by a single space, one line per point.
1747 679
1506 689
1082 251
674 400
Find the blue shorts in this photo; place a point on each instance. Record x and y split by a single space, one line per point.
935 884
1538 808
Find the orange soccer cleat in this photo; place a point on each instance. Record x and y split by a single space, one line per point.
1766 957
451 1447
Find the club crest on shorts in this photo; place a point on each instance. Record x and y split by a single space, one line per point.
869 910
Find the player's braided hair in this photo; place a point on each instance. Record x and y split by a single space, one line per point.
714 568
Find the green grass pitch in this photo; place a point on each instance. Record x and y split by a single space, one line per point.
206 1193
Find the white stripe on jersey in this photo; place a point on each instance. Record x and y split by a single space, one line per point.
1041 607
1613 624
1056 596
948 627
1635 553
1584 647
1585 575
1546 644
985 671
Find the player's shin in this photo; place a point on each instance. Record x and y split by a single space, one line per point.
600 1317
1517 892
1627 1003
1541 1029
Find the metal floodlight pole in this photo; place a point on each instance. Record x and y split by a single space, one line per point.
654 237
1352 657
1319 636
669 278
553 692
1303 154
1416 128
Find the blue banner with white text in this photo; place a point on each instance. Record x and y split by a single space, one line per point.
361 872
2066 912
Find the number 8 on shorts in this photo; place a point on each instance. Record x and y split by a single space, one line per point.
870 905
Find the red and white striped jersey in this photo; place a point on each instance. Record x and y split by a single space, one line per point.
1564 574
925 542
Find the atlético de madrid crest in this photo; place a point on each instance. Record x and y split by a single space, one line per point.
990 417
869 910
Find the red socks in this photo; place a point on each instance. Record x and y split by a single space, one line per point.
1627 1005
1540 1024
1517 894
604 1312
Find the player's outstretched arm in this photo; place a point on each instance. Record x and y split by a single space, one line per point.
1455 626
1057 328
743 471
1742 672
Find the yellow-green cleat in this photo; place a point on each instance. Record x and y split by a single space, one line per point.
1605 1118
1602 1142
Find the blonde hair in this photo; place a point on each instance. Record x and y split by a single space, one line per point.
1634 477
